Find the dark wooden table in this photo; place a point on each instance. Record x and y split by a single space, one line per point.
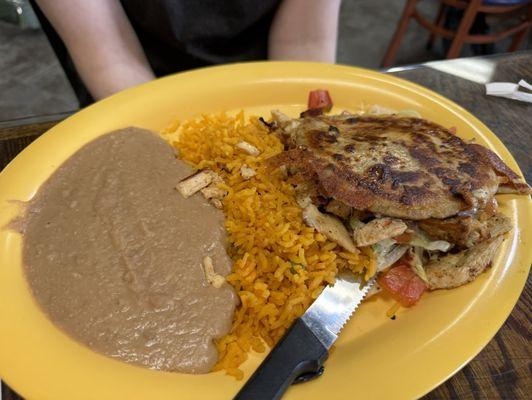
503 370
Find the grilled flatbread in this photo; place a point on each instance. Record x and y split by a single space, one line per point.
395 166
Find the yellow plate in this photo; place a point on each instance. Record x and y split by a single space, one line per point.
375 357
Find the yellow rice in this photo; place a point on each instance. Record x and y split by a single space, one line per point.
280 264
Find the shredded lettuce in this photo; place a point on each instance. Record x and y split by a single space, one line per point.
417 264
384 246
420 240
387 252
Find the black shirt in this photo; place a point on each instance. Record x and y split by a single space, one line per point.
177 35
181 34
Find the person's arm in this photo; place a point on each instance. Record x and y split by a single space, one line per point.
305 30
103 45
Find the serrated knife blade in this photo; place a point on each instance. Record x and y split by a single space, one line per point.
334 306
300 354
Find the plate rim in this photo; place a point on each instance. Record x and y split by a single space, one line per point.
442 101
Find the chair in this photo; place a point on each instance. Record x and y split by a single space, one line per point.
471 9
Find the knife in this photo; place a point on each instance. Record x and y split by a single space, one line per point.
300 354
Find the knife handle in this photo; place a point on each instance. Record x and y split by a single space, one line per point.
299 352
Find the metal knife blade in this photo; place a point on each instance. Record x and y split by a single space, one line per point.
334 306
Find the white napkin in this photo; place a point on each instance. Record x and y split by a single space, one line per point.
510 90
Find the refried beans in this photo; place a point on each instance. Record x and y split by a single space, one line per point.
113 255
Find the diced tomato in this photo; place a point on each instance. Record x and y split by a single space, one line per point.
403 284
319 100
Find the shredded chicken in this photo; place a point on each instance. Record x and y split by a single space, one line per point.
285 122
338 208
303 195
248 148
377 230
247 172
213 192
215 195
194 183
466 231
329 226
453 270
280 117
212 277
498 225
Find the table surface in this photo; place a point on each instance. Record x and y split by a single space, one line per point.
502 370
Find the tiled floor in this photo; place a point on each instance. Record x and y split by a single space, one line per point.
366 27
32 82
31 79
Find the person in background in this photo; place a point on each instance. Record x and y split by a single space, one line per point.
118 44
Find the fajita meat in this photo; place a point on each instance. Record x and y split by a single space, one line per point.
404 186
454 270
466 231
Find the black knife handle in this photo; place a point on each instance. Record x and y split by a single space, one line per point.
299 352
